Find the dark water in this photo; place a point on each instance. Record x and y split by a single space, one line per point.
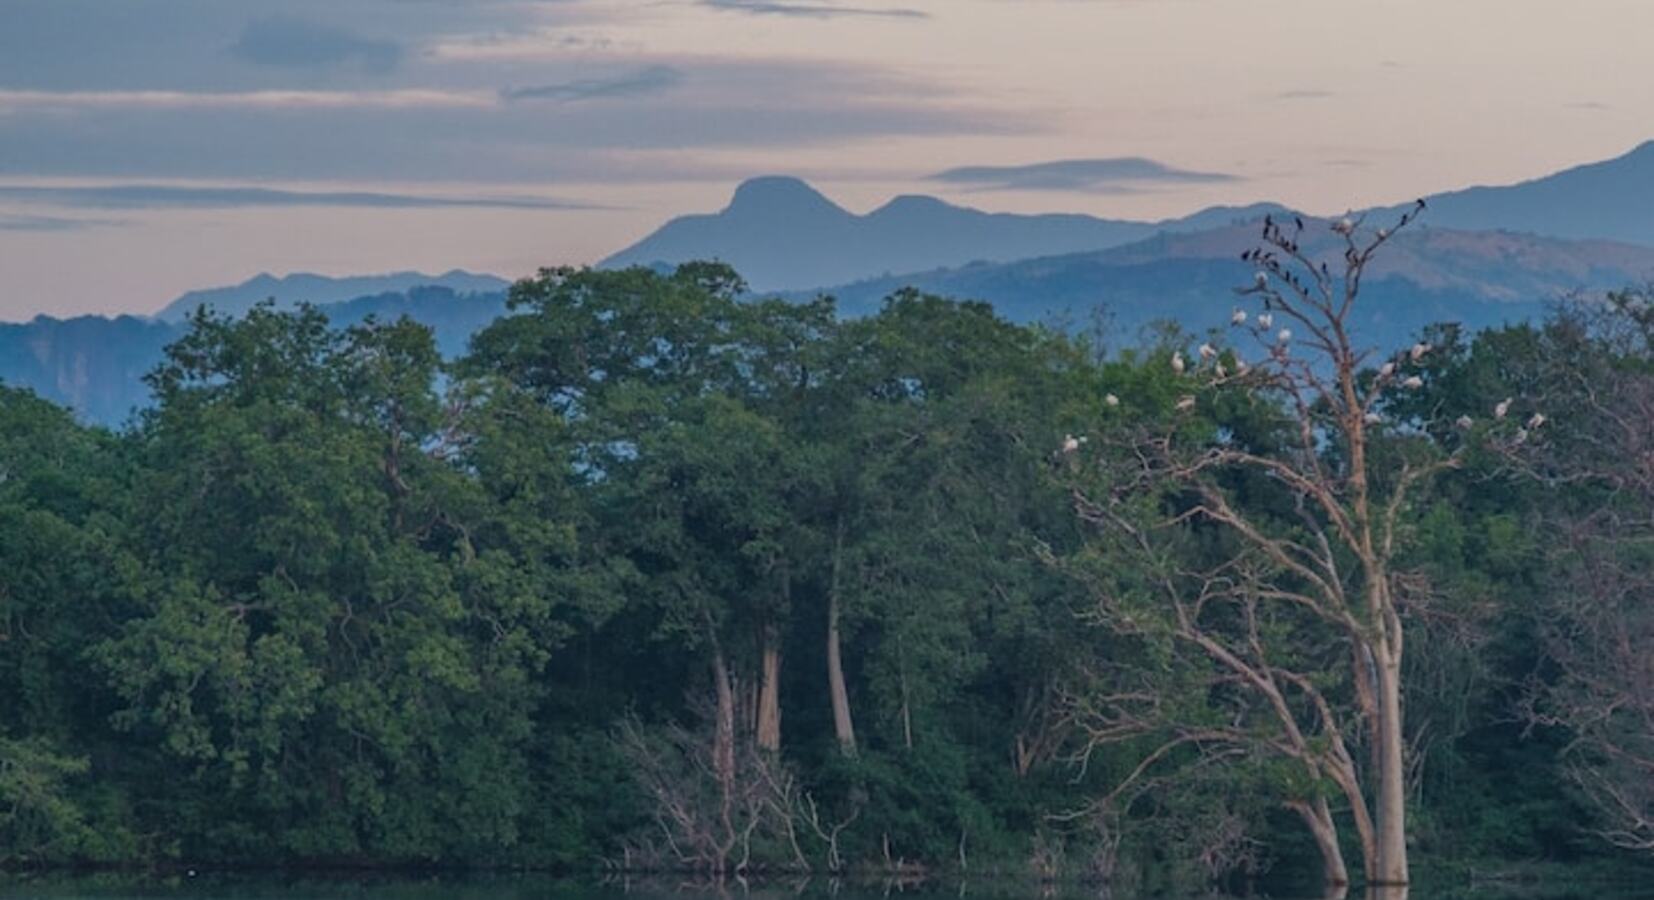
266 887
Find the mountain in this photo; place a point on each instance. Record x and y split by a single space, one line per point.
1425 275
96 365
780 233
303 287
1610 200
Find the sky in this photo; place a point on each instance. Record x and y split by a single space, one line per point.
149 147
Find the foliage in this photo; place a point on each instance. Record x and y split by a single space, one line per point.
572 598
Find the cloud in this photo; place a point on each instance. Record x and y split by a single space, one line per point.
147 196
474 135
52 223
408 98
650 80
1118 174
297 43
805 10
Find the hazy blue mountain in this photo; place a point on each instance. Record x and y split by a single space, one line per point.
303 287
1610 200
781 233
1425 275
96 365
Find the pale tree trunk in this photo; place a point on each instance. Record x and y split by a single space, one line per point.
769 692
844 727
1392 773
907 711
1318 818
723 753
723 728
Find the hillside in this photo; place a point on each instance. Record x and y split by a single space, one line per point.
781 233
1425 275
96 365
304 287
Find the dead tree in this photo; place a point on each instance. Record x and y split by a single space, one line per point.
1294 635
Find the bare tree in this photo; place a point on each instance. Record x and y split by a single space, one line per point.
1272 580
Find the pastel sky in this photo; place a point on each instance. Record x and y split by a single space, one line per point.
148 147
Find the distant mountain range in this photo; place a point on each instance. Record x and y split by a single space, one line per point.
304 287
781 233
1481 256
1425 275
1611 200
96 364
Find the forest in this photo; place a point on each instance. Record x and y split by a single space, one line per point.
662 576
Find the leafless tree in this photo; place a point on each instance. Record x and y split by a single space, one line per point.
1293 639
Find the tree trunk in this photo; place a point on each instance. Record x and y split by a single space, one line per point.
843 726
769 693
1318 818
723 727
1392 773
723 758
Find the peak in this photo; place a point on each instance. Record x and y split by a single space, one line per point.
912 203
771 193
1644 150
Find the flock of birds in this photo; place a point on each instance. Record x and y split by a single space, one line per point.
1265 322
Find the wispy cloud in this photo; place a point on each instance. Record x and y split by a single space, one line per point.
411 98
1305 94
1114 174
808 10
649 80
293 42
52 223
148 196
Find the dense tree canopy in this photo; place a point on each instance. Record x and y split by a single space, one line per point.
660 574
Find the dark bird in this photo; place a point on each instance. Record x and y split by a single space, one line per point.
1299 221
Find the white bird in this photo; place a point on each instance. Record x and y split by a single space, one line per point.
1241 367
1238 317
1207 351
1372 418
1418 351
1266 320
1502 408
1536 420
1383 233
1413 383
1177 363
1220 371
1464 423
1521 435
1285 336
1110 400
1344 226
1070 443
1386 370
1261 279
1186 402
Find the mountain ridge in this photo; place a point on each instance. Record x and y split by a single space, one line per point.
308 287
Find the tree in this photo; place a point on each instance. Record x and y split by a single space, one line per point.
1253 536
1584 430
